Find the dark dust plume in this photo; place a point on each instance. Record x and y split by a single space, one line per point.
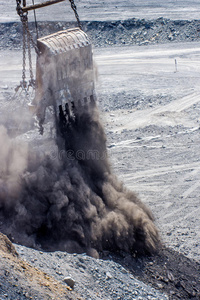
71 201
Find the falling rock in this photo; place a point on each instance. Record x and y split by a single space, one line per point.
69 281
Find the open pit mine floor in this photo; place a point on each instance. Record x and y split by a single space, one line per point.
149 98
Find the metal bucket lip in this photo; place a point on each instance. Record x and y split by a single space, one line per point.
64 40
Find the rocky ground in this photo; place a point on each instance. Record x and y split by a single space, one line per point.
108 33
151 110
20 280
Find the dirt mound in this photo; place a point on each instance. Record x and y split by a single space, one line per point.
6 246
19 280
170 272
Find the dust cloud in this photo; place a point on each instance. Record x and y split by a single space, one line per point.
66 197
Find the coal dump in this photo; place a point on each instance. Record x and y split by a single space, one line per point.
68 199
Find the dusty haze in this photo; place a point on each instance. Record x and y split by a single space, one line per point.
68 198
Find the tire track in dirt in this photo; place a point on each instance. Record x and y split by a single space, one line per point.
172 189
169 114
178 184
191 189
181 104
162 170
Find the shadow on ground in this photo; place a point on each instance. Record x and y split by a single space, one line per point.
169 271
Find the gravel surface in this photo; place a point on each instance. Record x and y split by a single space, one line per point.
109 33
19 280
94 278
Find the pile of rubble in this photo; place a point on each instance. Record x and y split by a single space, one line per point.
108 33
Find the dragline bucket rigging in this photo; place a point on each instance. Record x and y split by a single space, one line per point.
64 69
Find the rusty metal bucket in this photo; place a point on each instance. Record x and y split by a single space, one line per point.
64 74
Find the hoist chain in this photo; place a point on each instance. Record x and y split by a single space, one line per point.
31 38
73 6
27 40
24 83
31 81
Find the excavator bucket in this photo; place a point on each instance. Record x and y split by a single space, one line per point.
64 75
